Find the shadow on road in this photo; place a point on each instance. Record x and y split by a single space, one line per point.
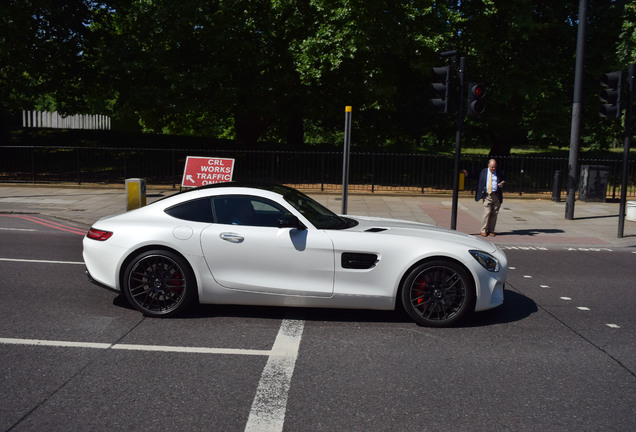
516 307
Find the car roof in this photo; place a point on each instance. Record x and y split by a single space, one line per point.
271 187
184 195
281 189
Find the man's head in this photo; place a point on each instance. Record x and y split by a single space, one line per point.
492 165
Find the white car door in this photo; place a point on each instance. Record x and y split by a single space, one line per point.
244 253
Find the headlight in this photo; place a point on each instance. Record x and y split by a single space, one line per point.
487 261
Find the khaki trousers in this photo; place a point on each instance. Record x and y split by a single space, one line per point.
491 211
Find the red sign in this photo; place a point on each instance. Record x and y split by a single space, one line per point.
200 171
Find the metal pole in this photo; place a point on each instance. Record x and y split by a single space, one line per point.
345 158
575 133
79 167
458 139
628 140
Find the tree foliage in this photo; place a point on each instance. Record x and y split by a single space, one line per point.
282 71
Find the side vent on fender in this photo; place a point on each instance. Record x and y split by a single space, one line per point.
375 230
359 261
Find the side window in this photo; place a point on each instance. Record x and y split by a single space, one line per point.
199 210
247 210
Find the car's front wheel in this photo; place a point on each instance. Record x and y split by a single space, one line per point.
159 283
438 293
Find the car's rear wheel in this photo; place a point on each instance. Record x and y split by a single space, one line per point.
438 293
159 283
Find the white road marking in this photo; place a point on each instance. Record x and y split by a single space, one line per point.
42 261
616 326
270 402
527 277
196 350
583 308
131 347
524 248
565 298
544 286
53 343
17 229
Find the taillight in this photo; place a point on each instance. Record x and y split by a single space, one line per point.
98 235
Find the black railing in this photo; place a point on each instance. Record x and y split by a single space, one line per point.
373 172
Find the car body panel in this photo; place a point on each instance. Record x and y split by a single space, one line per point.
270 260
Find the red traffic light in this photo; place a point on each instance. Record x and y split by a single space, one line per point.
477 90
476 93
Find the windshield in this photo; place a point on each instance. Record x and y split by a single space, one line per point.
319 216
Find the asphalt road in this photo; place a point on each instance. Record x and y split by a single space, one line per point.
559 355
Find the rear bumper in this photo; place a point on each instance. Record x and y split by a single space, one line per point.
99 284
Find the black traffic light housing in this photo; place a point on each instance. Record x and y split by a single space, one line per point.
441 88
610 95
476 94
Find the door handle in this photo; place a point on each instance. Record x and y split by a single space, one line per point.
231 237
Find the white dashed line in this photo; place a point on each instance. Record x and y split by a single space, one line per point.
583 308
565 298
615 326
527 276
544 286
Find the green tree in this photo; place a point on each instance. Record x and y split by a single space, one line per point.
40 55
525 53
282 71
375 56
202 67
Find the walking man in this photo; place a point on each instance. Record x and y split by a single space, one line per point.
489 188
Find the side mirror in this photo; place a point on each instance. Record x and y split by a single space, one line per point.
290 221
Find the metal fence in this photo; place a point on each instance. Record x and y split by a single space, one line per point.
55 120
372 172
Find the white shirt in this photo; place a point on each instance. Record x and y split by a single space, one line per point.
492 176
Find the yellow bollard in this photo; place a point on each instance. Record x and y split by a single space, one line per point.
135 193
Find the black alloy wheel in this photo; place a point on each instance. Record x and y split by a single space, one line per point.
159 283
438 294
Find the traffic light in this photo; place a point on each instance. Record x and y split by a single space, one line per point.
441 87
610 95
476 93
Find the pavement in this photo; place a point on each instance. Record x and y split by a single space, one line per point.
525 222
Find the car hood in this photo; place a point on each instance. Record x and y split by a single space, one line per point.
382 226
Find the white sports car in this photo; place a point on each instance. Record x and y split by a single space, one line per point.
273 245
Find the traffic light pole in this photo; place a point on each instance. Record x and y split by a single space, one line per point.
458 139
575 133
628 140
